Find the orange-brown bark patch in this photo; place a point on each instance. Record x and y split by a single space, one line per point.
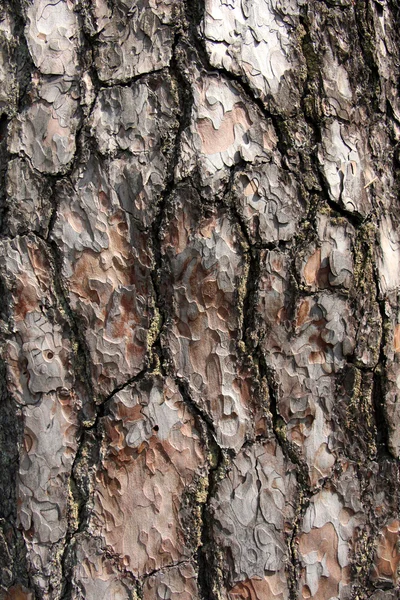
312 267
387 558
396 340
322 543
219 140
268 588
302 313
18 592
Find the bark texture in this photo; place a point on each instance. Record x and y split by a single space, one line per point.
200 320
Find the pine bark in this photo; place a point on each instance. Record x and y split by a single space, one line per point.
200 326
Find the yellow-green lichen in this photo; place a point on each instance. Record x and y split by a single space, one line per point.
73 505
364 287
213 455
242 290
202 490
360 416
280 428
363 263
154 329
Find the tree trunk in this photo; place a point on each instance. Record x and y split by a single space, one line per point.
200 328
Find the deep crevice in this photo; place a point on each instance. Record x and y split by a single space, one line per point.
379 388
207 561
73 321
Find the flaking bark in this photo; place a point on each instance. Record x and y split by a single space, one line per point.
200 326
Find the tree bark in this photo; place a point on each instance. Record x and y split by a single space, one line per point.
200 327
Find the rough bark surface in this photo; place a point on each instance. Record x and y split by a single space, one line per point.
200 325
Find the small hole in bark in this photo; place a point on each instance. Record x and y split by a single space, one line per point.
156 428
49 354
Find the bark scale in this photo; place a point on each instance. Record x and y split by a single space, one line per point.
200 327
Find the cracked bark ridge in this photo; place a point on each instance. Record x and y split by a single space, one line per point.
175 583
225 130
29 204
268 200
133 37
253 510
207 268
150 457
52 34
95 575
8 75
45 130
39 355
306 346
200 273
256 42
328 530
106 269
